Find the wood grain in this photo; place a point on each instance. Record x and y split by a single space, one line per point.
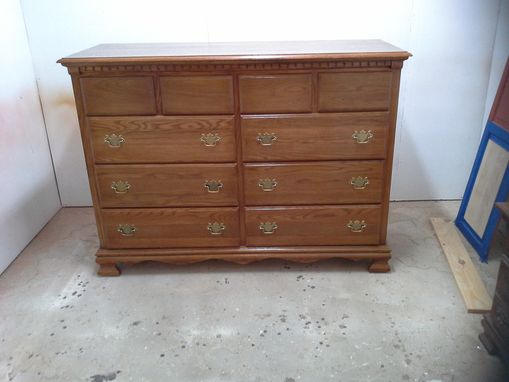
325 225
197 94
163 139
313 99
237 51
171 227
472 289
167 185
354 91
315 136
119 95
313 183
283 93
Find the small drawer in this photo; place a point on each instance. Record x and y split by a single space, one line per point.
315 137
197 94
119 95
354 91
285 93
170 227
163 139
313 183
167 185
337 225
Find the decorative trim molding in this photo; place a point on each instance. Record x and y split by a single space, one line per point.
213 66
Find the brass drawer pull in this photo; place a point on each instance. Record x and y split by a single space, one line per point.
356 225
126 229
120 186
210 139
267 184
362 136
114 140
216 228
359 182
213 186
268 228
266 139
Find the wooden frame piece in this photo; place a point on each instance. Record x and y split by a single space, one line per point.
488 183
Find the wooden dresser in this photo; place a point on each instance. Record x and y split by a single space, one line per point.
496 322
239 151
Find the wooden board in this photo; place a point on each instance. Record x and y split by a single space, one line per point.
472 288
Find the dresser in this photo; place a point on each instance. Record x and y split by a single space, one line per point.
239 151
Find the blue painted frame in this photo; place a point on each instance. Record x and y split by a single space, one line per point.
500 136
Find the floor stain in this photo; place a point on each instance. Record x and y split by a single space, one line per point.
103 377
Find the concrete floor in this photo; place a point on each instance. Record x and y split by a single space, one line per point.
270 321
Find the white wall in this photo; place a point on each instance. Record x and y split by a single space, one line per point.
28 192
443 87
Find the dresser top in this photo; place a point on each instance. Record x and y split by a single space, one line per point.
236 51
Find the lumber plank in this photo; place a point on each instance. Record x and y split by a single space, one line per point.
473 290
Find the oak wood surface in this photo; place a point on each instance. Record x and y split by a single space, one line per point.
315 136
313 183
163 139
322 94
354 91
228 51
282 93
119 95
306 225
197 94
171 227
167 185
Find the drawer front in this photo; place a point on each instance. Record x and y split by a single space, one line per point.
313 183
167 185
354 91
163 139
285 93
197 94
171 227
315 137
313 225
119 95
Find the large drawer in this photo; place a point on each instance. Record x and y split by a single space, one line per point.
170 227
331 225
119 95
360 91
315 137
163 139
281 93
313 183
167 185
197 94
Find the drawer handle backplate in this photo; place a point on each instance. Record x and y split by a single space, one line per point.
216 228
268 228
267 184
114 140
362 136
359 182
213 186
266 139
126 229
210 139
120 186
356 225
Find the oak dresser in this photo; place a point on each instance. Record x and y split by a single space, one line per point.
239 151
